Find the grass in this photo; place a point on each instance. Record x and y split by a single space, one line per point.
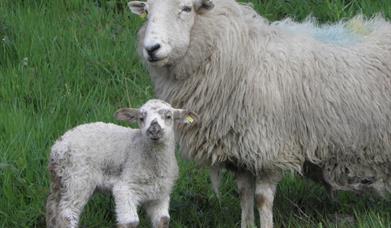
64 63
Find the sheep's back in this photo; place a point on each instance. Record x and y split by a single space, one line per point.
98 147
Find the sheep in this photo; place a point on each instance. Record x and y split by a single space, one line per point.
137 165
275 95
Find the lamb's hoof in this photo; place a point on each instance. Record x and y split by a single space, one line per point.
128 225
164 222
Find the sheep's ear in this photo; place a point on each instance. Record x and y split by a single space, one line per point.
127 114
204 5
185 117
137 7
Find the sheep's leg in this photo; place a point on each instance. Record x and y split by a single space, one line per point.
54 196
264 193
158 212
51 208
245 182
125 206
215 176
74 196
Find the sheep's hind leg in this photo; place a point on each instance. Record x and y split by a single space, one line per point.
54 195
245 181
264 193
74 196
125 206
158 212
51 208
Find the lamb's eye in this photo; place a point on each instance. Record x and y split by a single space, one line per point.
141 119
186 9
168 116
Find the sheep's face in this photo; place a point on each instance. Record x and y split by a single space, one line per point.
167 33
157 119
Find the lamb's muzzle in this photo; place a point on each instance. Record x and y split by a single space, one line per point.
154 131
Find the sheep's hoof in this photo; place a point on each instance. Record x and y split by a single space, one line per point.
128 225
164 222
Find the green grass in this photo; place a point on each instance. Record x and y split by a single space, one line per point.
64 63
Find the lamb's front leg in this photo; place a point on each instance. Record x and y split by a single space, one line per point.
245 181
125 206
158 212
264 193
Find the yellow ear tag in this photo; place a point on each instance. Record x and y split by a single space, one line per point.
189 119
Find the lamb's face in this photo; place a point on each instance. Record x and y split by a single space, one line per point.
167 34
157 119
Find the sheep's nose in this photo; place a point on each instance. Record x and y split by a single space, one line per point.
154 130
152 49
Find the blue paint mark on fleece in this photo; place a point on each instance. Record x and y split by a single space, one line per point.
338 34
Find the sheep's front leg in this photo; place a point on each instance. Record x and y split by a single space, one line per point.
264 194
125 207
245 182
158 212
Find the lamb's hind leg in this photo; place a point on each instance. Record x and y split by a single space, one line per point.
245 181
51 208
74 196
264 193
53 198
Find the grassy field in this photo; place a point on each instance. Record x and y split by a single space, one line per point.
68 62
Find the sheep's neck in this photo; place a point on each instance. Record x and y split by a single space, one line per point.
160 155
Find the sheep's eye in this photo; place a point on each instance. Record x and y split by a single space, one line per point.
186 9
168 116
141 119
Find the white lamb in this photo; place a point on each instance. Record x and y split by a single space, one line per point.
137 165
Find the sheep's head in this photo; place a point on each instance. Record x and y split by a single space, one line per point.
167 34
157 119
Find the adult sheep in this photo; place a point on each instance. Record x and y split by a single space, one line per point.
273 96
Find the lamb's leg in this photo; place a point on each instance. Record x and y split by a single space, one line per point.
74 196
264 193
51 208
53 198
125 206
158 212
245 181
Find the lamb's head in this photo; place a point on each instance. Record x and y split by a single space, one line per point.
157 119
167 33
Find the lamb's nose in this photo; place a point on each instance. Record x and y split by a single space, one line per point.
155 129
152 49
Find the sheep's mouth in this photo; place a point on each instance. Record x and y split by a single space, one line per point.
157 61
154 139
154 59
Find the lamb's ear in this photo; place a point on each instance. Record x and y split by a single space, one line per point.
127 114
184 117
137 7
204 5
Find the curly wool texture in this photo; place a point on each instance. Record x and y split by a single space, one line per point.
270 97
104 156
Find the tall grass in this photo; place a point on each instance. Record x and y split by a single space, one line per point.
64 63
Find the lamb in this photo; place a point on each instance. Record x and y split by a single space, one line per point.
137 165
274 96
